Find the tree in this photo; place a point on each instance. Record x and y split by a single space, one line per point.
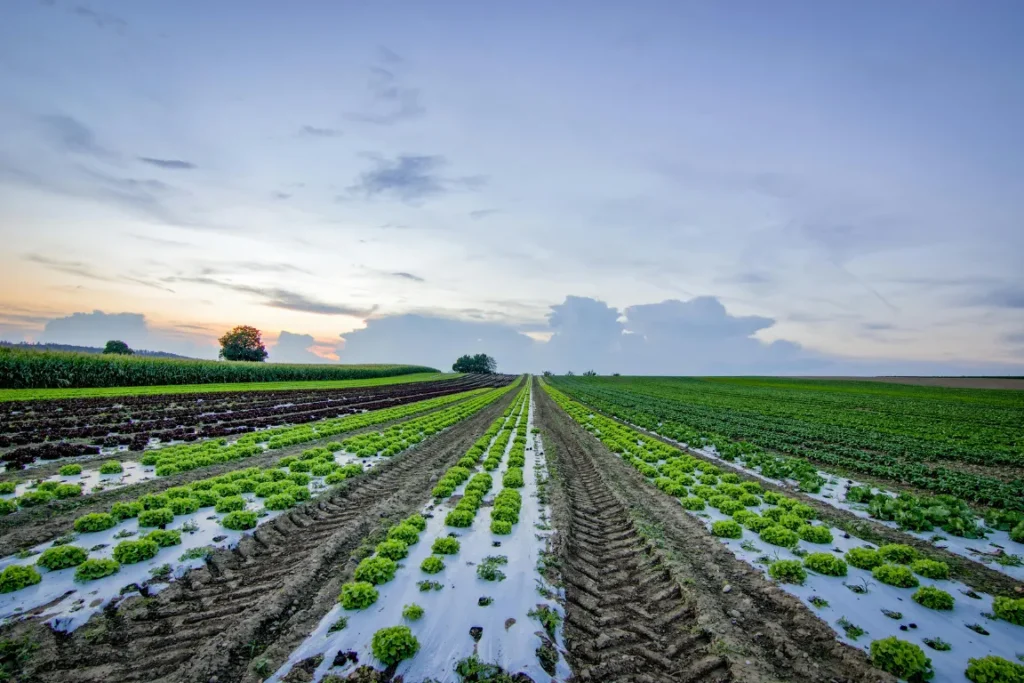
243 343
117 347
590 373
481 364
547 373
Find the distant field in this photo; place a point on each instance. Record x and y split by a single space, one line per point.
20 369
92 392
965 442
950 382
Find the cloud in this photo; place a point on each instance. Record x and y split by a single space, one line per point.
71 135
293 348
1004 296
80 269
276 297
390 101
100 19
483 213
172 164
878 327
315 132
409 276
410 178
282 195
97 327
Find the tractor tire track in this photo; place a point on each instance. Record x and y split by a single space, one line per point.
652 596
212 623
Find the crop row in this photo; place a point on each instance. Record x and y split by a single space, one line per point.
51 429
785 523
185 457
34 369
736 433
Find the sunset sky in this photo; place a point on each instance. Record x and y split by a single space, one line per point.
730 186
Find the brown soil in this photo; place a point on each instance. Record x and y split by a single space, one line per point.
31 526
651 596
248 608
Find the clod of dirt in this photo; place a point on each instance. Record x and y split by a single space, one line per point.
485 600
476 633
496 544
343 658
727 588
218 539
509 623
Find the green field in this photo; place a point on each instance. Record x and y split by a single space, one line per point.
90 392
24 369
964 442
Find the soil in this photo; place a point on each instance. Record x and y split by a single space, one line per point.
238 617
30 526
651 596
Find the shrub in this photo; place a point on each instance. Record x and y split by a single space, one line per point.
111 467
1010 609
825 563
432 564
459 518
445 545
930 569
94 521
727 528
787 571
994 669
157 517
897 553
864 558
692 503
417 521
895 575
93 569
406 533
901 659
240 520
184 506
933 598
229 504
412 612
35 498
70 470
815 534
130 552
501 527
375 570
777 535
15 577
281 501
62 557
357 595
392 549
165 538
393 644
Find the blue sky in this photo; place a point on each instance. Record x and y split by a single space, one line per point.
829 187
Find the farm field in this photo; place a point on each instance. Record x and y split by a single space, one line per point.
505 532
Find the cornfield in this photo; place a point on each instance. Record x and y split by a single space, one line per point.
55 370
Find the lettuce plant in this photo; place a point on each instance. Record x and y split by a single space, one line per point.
897 553
156 517
787 571
393 644
901 659
825 563
895 575
1009 609
93 569
930 569
992 669
165 538
777 535
392 549
184 506
412 612
62 557
459 518
94 521
815 534
130 552
864 558
67 491
111 467
70 470
357 595
280 501
727 528
933 598
240 520
7 487
406 533
15 577
375 570
230 504
432 564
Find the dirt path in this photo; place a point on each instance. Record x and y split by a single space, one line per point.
30 526
217 621
651 596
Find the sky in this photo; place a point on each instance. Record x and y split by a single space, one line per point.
650 187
